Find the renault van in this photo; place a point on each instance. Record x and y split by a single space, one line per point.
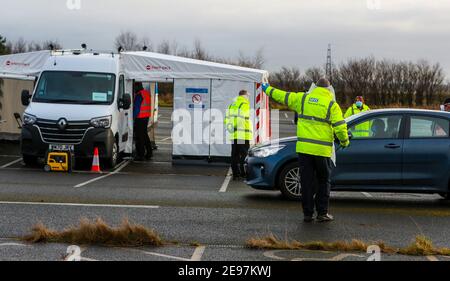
80 101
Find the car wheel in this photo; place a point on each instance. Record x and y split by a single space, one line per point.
289 181
29 160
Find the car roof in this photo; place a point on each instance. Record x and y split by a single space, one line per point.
402 111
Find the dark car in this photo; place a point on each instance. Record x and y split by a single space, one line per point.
391 150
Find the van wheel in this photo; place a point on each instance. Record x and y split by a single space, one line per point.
289 181
112 162
29 160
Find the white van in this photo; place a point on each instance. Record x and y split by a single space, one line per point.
81 100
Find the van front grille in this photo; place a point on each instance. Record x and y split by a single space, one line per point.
73 133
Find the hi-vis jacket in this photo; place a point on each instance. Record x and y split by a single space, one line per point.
363 129
143 105
237 120
319 119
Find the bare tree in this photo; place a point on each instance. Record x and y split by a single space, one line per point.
184 52
33 46
358 74
199 52
313 74
257 61
164 47
20 46
288 78
145 42
46 45
128 40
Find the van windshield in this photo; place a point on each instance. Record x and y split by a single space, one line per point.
75 88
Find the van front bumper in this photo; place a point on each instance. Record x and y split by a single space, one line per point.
32 143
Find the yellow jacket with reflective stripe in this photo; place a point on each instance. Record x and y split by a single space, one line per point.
237 120
363 129
319 119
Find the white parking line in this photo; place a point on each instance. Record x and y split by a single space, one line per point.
198 253
226 182
11 163
368 195
118 169
80 205
432 258
164 256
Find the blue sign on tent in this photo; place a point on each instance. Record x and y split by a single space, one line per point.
196 91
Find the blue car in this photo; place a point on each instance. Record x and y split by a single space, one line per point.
400 150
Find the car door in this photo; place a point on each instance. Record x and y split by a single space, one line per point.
374 157
426 152
124 133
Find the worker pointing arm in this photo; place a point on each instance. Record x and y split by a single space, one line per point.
319 120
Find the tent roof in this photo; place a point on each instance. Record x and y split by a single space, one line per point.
147 65
23 65
142 66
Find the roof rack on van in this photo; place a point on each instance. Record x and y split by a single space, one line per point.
63 52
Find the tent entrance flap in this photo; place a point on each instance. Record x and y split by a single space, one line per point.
192 103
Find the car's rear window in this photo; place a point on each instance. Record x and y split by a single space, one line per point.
429 127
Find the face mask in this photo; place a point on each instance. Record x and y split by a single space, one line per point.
359 104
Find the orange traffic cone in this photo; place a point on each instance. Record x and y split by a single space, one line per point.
96 162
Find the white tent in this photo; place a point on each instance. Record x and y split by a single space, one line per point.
202 89
23 65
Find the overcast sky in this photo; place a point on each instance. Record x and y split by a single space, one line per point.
292 32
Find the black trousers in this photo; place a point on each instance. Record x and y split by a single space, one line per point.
143 144
315 169
239 150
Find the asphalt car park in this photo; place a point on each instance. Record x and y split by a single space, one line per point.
198 204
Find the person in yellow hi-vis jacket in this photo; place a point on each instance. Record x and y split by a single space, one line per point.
240 132
363 129
319 120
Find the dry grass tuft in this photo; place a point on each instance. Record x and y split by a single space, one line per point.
97 232
421 247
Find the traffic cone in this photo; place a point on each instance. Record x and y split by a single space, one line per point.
96 162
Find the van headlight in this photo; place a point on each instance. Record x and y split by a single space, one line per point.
267 151
29 119
101 122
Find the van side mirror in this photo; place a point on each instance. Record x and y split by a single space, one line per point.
26 97
125 102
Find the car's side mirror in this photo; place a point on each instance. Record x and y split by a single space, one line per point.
25 97
350 135
125 102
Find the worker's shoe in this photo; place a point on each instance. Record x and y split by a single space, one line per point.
308 219
325 218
